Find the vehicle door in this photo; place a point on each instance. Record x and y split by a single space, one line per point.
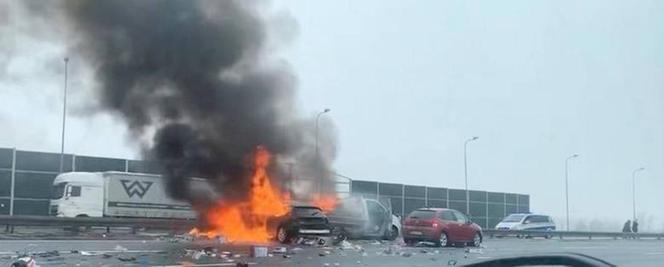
466 231
84 200
543 222
539 222
550 223
529 222
378 218
451 226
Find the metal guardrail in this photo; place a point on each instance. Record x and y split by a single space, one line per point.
182 224
491 233
26 220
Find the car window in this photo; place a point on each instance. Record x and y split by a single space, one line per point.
460 217
75 191
539 219
528 219
374 207
542 219
307 212
513 218
58 190
422 214
447 215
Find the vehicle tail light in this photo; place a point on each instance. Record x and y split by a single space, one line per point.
434 225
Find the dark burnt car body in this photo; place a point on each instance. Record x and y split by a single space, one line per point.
301 221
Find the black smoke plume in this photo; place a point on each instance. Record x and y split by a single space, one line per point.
198 77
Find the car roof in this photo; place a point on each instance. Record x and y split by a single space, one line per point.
525 214
433 209
305 206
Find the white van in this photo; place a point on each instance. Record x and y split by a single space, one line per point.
360 217
526 221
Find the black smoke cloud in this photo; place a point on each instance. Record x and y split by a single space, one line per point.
196 75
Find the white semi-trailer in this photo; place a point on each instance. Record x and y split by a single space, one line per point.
118 194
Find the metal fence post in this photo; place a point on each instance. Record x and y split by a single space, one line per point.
486 205
447 198
126 165
403 201
13 183
504 204
378 191
426 196
73 162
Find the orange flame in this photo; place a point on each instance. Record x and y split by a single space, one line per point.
325 202
247 221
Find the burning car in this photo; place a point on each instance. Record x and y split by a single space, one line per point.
301 221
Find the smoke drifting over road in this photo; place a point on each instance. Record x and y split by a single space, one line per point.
197 77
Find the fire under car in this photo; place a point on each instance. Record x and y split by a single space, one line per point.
302 221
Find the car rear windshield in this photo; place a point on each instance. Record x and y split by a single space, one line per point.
307 212
422 214
513 218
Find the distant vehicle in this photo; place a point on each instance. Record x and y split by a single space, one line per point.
359 217
301 221
526 221
118 194
444 227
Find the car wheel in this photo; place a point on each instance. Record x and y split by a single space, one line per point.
477 240
393 234
548 236
282 235
443 240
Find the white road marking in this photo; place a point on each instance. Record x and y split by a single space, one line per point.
74 241
97 252
577 247
204 265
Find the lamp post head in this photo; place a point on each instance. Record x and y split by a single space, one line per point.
326 110
475 138
575 155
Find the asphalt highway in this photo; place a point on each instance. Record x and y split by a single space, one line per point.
164 252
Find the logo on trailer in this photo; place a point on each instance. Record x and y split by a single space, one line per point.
136 187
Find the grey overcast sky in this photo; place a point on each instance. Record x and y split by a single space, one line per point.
409 81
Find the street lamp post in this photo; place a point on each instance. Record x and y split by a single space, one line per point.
465 170
317 119
634 191
320 180
64 117
567 189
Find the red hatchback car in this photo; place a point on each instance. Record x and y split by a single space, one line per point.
442 226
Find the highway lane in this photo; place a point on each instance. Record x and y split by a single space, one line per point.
165 253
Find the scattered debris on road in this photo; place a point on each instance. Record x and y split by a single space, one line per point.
25 262
280 250
258 251
126 258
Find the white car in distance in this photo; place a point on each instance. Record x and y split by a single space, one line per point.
528 222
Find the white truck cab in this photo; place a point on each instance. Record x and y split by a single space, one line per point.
78 194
